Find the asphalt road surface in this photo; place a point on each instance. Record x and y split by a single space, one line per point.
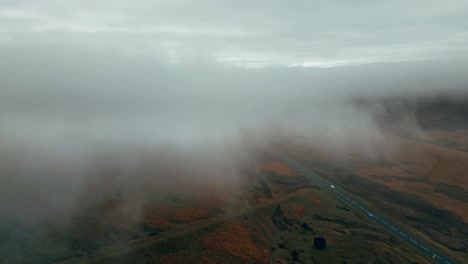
387 224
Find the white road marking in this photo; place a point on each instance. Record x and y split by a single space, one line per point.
425 248
361 207
393 228
413 241
447 262
384 222
353 202
402 234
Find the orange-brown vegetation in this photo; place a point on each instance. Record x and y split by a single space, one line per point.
165 217
457 139
314 199
236 240
216 200
279 168
413 167
260 199
189 208
298 210
152 218
190 214
441 164
174 259
418 168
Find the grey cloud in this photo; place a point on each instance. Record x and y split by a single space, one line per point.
318 31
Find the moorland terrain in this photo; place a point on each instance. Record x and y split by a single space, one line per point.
274 213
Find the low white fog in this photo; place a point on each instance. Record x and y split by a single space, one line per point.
168 94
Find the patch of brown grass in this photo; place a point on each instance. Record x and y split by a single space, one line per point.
441 164
170 259
418 167
163 217
457 139
152 218
298 210
190 214
279 168
314 199
236 240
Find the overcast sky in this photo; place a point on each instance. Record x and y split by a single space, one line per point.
245 33
181 68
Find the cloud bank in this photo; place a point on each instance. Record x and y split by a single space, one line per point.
136 98
264 33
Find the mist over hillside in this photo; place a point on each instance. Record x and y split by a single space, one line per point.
134 101
153 127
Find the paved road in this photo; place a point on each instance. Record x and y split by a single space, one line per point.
393 228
